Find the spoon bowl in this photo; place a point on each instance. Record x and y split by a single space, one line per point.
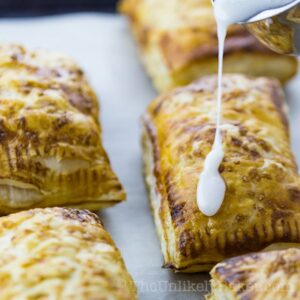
276 10
277 27
271 12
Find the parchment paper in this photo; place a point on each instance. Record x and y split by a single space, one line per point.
102 45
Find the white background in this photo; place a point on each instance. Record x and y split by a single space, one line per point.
102 45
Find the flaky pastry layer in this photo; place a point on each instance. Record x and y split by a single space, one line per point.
51 152
63 254
262 201
258 276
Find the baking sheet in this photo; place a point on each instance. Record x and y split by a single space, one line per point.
102 45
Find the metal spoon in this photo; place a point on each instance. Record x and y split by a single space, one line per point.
268 13
278 28
271 12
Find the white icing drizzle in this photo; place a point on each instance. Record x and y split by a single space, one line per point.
211 187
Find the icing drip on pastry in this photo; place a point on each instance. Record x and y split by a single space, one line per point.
211 187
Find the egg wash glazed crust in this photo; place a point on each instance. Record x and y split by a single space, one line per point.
262 200
51 152
178 43
258 276
63 254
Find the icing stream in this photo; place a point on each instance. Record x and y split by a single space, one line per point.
211 187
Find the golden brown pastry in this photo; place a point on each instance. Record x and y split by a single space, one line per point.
178 43
260 276
50 137
62 254
262 201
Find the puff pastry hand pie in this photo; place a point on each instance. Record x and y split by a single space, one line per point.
178 43
258 276
62 254
262 201
50 138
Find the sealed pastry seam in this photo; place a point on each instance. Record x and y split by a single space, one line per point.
59 253
50 135
261 205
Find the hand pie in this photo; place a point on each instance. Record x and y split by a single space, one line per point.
258 276
262 201
50 137
63 254
178 43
